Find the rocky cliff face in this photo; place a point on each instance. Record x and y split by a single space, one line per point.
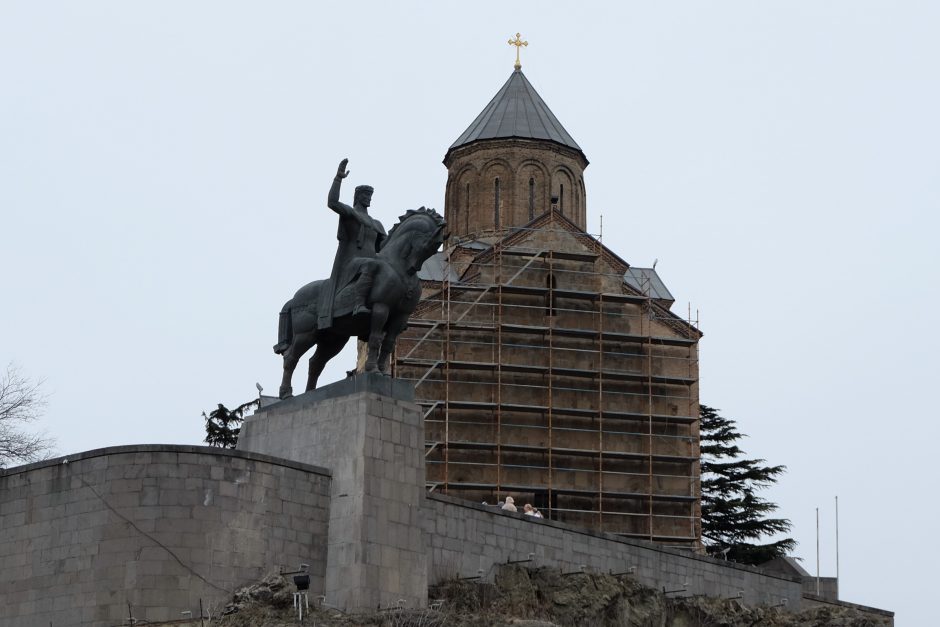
541 597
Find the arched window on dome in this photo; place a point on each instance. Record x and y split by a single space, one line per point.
561 199
531 198
466 212
496 203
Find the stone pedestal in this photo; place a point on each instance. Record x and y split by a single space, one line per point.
368 431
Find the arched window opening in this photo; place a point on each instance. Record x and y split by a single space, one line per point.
496 203
550 296
531 198
561 199
582 202
466 212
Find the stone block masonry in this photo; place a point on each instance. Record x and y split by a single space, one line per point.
159 527
466 538
150 530
369 432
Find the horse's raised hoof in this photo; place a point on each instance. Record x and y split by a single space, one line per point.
285 392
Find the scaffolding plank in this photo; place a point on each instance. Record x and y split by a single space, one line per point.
506 487
575 452
567 411
593 334
557 254
572 294
621 375
560 331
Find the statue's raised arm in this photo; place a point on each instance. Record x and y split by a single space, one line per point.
344 210
332 200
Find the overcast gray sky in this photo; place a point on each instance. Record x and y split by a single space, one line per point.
164 169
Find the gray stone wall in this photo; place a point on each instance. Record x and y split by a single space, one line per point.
878 616
828 587
159 527
368 431
156 527
465 538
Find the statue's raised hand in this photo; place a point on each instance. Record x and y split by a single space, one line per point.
341 171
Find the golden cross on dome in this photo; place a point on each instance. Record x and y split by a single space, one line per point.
518 43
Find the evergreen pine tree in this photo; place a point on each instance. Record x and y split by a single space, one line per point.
223 425
734 518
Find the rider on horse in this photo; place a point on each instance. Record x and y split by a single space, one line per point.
360 238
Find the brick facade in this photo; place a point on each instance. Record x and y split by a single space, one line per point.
526 174
544 377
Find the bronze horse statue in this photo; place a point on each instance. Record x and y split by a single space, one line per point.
393 296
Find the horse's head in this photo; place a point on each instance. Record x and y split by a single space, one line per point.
417 236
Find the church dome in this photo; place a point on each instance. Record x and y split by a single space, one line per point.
510 164
518 111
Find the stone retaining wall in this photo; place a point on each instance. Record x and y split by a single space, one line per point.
151 530
877 615
465 538
158 527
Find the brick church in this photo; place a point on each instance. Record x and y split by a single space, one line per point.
549 369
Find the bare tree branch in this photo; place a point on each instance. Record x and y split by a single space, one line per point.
21 402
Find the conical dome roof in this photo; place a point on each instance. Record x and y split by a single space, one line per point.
516 111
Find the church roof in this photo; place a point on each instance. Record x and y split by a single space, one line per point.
643 281
516 111
647 281
436 268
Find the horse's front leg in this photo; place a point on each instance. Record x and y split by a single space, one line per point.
299 345
376 335
291 357
290 362
396 327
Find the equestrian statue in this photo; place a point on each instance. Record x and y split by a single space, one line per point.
371 292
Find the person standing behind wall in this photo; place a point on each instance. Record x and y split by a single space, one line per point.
528 510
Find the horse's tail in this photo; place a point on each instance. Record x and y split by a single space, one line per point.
285 329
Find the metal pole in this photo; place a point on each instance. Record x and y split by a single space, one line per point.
837 540
201 614
647 305
817 551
